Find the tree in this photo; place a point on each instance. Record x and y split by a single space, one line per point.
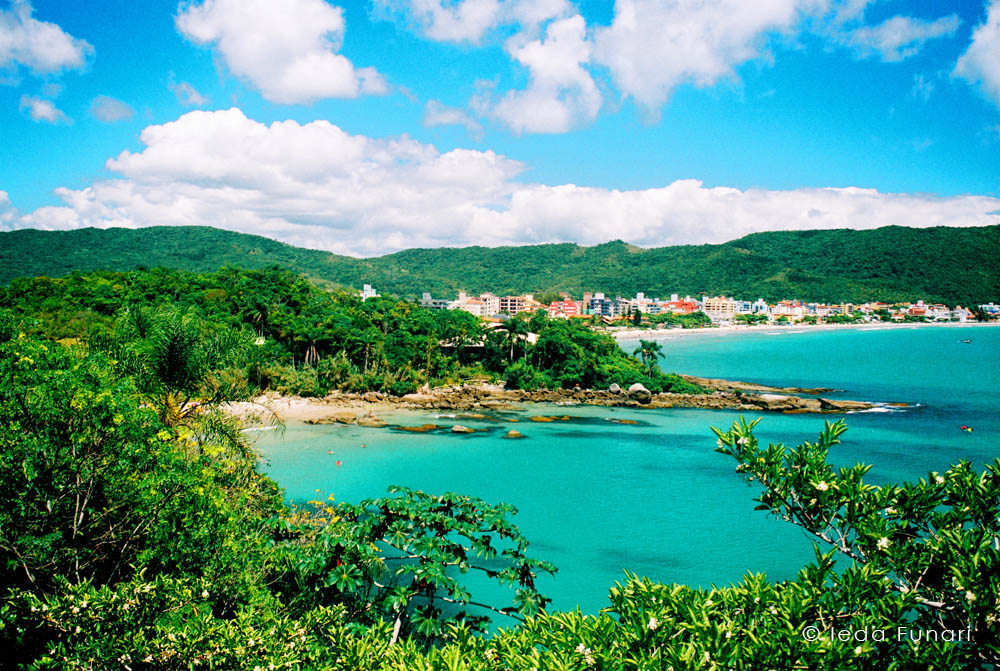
648 351
185 373
514 332
932 542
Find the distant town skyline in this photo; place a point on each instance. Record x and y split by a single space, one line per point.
364 128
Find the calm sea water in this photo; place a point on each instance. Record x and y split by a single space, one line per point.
597 497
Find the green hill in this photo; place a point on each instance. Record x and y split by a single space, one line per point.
953 265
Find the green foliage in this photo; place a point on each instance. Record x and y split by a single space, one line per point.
122 547
933 541
952 265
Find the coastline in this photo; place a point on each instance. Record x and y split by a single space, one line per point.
375 409
669 334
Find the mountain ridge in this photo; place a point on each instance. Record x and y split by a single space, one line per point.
941 264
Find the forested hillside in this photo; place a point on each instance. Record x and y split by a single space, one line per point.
953 265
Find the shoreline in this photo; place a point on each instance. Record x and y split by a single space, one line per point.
655 334
374 409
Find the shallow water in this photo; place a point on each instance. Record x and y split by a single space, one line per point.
598 497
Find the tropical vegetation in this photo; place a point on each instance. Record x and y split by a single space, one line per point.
895 263
131 539
249 331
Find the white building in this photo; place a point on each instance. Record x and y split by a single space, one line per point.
368 292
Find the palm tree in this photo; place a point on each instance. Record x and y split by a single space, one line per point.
514 331
186 373
649 351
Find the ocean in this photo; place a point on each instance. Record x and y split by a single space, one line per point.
597 497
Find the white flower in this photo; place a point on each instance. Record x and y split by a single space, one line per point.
719 442
858 650
75 610
822 486
883 543
743 441
709 602
707 657
939 479
581 648
969 596
204 594
171 637
148 659
653 624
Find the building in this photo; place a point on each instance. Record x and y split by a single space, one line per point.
599 305
719 308
368 292
473 306
565 308
491 304
513 305
433 303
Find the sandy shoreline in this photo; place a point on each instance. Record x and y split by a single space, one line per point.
655 334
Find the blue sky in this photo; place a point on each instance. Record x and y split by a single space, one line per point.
367 127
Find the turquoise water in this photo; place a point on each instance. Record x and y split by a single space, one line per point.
598 497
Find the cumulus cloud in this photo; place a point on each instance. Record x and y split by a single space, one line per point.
40 109
464 21
7 211
187 95
900 37
287 49
562 94
654 45
110 110
39 46
436 114
981 61
317 186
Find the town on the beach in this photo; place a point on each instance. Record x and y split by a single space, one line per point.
704 311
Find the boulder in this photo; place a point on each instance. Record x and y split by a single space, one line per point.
513 434
615 388
340 417
374 422
637 392
458 428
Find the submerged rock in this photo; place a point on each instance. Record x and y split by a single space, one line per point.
458 428
423 428
513 434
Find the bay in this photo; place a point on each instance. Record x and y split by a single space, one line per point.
598 497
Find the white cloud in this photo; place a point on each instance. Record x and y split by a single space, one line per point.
42 110
7 211
110 110
287 49
315 185
653 46
436 114
900 37
562 95
187 95
463 21
981 61
923 87
40 46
